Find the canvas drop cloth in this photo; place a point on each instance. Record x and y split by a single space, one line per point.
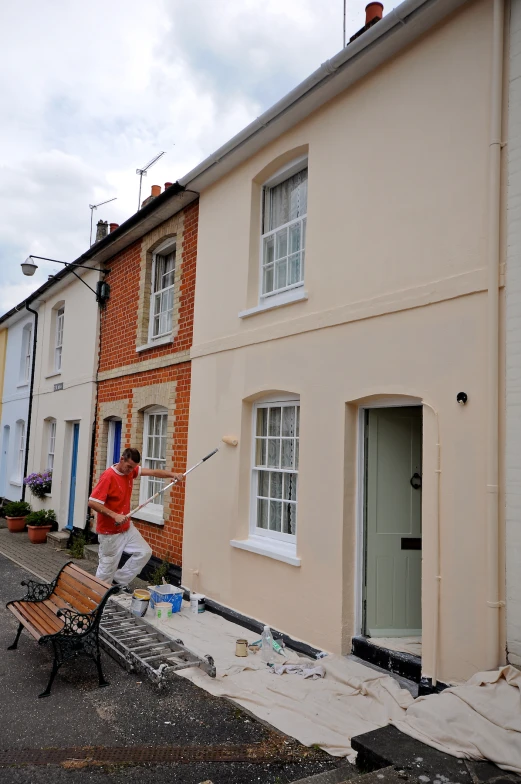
349 700
478 720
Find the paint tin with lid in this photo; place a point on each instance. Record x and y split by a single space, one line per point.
197 603
140 602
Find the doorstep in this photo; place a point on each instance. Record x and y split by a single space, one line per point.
404 664
90 552
387 746
58 539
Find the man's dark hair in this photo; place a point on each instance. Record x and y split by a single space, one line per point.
132 454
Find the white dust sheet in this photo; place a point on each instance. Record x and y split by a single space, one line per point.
329 711
481 719
478 720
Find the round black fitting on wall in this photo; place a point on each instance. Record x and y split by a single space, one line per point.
462 398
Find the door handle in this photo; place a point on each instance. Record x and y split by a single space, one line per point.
416 481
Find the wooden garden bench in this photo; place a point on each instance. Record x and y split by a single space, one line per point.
65 613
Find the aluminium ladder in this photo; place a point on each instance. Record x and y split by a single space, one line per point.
138 645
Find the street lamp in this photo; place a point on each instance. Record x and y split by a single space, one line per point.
102 291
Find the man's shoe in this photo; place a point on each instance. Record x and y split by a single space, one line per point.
122 588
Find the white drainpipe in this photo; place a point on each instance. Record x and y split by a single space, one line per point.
496 108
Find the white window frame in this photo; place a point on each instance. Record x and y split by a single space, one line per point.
154 512
58 338
27 353
282 295
167 247
19 455
256 531
51 443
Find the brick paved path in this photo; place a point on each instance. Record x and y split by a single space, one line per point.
41 559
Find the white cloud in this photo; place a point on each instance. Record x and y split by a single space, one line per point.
92 91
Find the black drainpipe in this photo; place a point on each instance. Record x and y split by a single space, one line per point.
31 388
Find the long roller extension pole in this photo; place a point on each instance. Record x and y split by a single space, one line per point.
133 512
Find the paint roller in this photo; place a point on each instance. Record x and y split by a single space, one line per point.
174 482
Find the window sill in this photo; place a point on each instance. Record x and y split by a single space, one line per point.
153 343
23 385
279 551
53 375
15 483
148 517
294 295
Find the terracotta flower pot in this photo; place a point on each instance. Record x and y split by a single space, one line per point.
15 524
38 533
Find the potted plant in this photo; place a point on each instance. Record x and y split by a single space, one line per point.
39 483
39 524
15 514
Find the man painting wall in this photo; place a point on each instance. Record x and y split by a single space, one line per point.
116 532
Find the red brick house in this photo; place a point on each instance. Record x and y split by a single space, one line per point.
144 359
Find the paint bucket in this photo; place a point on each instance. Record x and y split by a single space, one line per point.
163 611
197 603
139 603
241 648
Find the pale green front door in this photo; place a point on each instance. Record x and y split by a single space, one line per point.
393 522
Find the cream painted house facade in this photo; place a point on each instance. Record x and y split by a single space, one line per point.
64 394
350 279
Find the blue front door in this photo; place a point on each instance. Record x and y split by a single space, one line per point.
74 465
117 442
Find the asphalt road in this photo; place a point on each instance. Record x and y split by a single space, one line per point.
129 713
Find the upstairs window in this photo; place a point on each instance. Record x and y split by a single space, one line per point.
275 469
285 206
162 297
58 340
25 362
51 444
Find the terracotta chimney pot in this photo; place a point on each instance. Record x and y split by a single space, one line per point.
167 185
113 227
156 190
373 11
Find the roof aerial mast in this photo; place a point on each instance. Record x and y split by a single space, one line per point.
93 207
143 173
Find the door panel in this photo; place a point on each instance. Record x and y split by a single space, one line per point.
74 466
393 515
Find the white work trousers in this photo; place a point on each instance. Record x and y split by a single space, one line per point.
111 547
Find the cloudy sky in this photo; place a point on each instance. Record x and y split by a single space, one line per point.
91 91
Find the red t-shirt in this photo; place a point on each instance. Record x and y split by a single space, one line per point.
114 490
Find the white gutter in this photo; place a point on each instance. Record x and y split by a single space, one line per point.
496 108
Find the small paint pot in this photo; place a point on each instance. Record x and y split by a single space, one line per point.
241 648
163 611
140 602
197 603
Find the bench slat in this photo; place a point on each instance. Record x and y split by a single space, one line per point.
67 583
57 603
36 618
50 615
30 628
99 586
72 598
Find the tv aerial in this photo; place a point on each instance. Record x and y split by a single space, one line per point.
143 173
93 207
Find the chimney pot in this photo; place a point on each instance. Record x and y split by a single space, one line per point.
113 227
373 11
102 229
167 185
156 190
